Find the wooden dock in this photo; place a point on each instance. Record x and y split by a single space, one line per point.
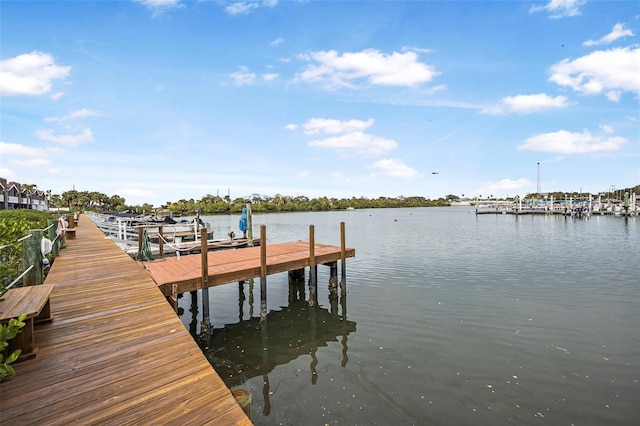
115 353
226 266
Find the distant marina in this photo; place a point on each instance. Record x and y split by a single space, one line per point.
580 206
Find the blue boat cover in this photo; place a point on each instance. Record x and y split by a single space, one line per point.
243 220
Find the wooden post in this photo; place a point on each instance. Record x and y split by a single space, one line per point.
31 255
203 257
53 225
263 251
174 297
333 276
313 269
263 273
205 276
140 240
161 240
343 249
249 225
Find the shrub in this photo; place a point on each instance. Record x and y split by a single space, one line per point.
7 332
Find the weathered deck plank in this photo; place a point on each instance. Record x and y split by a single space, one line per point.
116 353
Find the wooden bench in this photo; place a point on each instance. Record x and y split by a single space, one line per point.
70 234
32 301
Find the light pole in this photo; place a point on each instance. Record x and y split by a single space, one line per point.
538 188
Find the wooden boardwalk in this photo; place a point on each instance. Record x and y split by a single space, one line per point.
115 353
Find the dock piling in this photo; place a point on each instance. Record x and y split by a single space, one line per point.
263 273
205 278
313 268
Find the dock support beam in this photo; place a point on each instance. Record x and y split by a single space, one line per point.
205 281
296 285
313 269
263 273
343 259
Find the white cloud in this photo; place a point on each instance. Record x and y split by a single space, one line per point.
560 8
606 129
276 42
618 32
505 187
66 140
332 126
159 3
350 136
565 142
291 127
369 66
23 156
396 168
80 113
30 74
240 8
610 71
358 142
158 7
415 49
33 162
270 76
243 77
435 89
525 104
245 7
7 173
15 149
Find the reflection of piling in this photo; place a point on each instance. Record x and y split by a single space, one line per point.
264 337
251 284
241 299
314 346
343 304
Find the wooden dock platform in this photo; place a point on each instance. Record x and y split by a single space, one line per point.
115 353
226 266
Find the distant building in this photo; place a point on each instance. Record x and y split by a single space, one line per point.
15 196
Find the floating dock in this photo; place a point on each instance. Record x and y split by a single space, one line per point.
115 352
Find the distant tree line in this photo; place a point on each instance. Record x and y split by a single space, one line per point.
214 204
211 204
86 200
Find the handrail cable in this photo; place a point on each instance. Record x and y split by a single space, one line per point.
16 242
19 277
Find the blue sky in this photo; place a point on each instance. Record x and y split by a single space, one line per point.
161 100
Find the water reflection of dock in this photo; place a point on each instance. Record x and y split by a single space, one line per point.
256 346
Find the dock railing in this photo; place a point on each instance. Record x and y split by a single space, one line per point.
38 248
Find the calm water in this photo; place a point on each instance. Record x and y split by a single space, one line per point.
451 319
